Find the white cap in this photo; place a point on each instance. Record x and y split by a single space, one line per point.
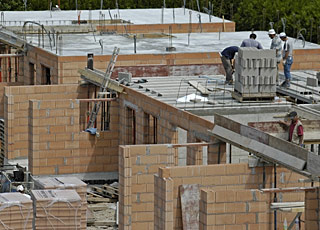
20 188
271 31
282 35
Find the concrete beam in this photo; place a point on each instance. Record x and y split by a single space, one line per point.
267 146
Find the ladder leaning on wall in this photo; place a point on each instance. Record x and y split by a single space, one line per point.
103 88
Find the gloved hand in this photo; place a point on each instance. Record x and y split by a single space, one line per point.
302 145
284 61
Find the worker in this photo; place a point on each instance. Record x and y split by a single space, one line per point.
21 189
227 58
295 129
251 42
277 45
287 58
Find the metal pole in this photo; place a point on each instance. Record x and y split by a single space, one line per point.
101 4
275 196
190 27
135 43
311 25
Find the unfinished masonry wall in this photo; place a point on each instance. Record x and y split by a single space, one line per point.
16 104
2 87
222 177
176 28
312 207
137 166
41 59
135 107
179 64
234 209
58 145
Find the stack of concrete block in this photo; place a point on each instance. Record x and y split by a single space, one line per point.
56 209
15 211
255 71
73 183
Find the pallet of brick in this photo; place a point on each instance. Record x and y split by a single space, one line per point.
16 211
67 183
255 73
56 209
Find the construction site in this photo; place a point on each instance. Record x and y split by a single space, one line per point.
121 119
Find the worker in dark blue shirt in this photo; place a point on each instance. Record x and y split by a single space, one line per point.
227 57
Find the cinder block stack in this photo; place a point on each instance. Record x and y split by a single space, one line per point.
56 209
255 71
73 183
15 211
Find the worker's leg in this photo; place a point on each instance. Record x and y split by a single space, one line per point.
286 69
227 67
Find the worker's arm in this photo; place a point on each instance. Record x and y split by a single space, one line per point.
284 123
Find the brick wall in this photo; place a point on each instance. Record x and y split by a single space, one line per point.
220 178
180 64
234 209
168 119
40 58
137 166
176 28
58 145
16 103
2 87
312 206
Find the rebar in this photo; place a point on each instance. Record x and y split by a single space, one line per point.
284 21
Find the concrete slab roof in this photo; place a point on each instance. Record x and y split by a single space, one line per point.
177 91
135 16
81 44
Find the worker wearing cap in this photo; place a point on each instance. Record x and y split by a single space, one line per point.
295 129
287 58
277 45
227 58
251 42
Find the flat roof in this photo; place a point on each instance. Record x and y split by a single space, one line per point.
135 16
81 44
177 91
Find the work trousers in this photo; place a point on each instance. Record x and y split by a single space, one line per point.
227 67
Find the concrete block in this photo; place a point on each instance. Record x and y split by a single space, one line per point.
318 76
250 89
311 81
248 52
122 76
261 62
267 53
273 63
267 89
243 62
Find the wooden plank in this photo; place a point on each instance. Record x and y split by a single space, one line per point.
94 194
286 205
197 85
190 196
190 144
100 223
100 200
283 190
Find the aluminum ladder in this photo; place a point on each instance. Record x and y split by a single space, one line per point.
103 88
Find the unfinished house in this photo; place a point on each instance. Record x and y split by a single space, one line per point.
189 152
